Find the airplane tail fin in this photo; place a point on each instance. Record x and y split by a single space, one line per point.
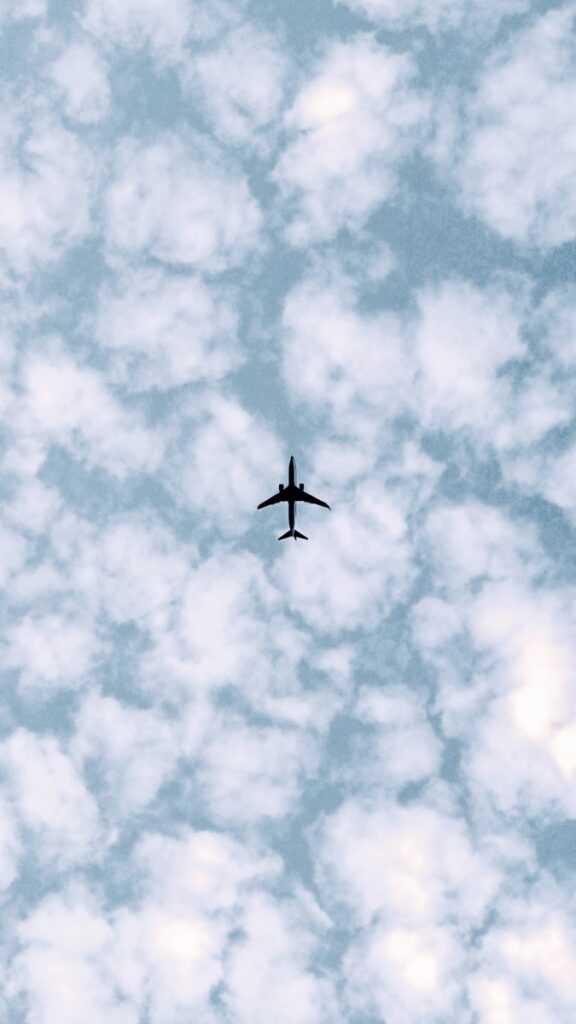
293 533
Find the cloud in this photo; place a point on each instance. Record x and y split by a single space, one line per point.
61 967
81 75
166 330
437 15
415 886
250 774
340 585
471 541
19 10
525 966
50 798
136 751
165 30
52 652
404 748
48 177
10 846
352 123
240 79
175 200
70 404
516 168
342 361
273 939
222 471
464 338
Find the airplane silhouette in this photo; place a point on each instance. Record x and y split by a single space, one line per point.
292 494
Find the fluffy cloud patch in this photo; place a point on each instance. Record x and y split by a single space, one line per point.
51 652
135 751
165 330
70 404
339 585
47 176
464 337
19 10
251 774
175 199
525 963
351 125
81 75
404 747
241 82
10 845
223 471
414 883
274 939
436 15
517 168
165 29
342 361
50 798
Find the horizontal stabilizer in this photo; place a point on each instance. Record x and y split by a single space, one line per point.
293 533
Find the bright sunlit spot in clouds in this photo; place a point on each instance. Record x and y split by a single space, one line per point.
326 101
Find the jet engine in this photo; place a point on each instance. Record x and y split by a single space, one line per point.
301 487
280 487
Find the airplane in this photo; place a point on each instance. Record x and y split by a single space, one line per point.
292 494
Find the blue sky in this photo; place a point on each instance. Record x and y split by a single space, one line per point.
252 783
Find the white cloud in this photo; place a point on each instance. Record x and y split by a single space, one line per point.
556 320
517 168
176 199
268 967
70 404
52 652
228 595
338 583
525 969
10 845
32 508
82 76
507 689
437 15
338 359
464 337
165 28
241 82
61 967
19 10
172 947
405 748
136 751
225 597
475 540
449 363
353 122
50 798
224 470
251 773
13 553
139 569
413 882
166 330
47 177
556 479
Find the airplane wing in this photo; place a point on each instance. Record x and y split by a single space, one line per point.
273 500
303 496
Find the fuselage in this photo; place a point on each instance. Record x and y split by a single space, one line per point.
291 488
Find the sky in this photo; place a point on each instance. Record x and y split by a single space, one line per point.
324 782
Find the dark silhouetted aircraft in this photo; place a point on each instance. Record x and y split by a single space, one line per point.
291 493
